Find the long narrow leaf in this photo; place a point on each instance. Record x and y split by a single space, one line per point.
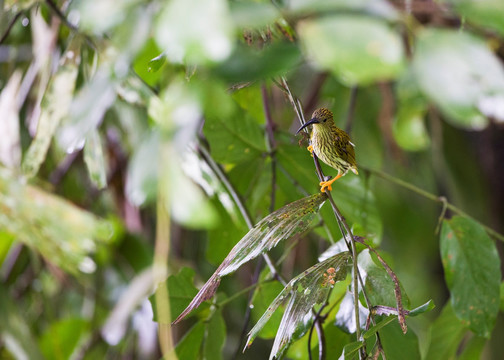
63 233
306 290
95 160
54 107
292 219
10 149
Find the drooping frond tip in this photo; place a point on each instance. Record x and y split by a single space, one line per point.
292 219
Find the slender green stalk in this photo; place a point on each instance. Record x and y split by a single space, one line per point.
241 292
161 255
430 196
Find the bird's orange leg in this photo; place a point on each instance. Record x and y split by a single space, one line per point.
327 184
310 149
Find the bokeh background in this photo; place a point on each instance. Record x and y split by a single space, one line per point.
135 135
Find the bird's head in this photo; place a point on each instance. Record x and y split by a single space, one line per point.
322 118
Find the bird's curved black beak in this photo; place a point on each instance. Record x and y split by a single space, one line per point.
312 121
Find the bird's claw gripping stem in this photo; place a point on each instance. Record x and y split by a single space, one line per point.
310 149
327 184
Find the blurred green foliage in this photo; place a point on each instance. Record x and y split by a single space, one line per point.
141 140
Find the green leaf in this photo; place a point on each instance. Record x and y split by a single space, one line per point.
95 160
264 295
253 180
446 334
472 272
305 291
473 348
409 127
458 73
98 16
210 39
215 337
485 13
502 296
378 284
54 108
156 63
428 306
374 329
63 233
10 146
294 218
399 346
249 64
372 53
204 340
338 340
142 176
235 138
62 338
19 5
87 110
222 239
253 14
181 290
376 7
189 347
189 204
350 351
6 241
250 99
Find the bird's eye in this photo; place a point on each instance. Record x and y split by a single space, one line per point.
325 120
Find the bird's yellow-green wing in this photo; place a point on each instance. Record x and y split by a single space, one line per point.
345 148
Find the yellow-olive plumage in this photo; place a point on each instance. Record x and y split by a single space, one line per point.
331 145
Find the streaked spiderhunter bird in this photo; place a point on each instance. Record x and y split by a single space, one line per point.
331 145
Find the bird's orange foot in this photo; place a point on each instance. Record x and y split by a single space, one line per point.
327 184
310 149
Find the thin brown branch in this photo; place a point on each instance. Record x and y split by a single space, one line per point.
246 320
57 175
313 94
239 203
270 131
317 324
10 26
54 8
385 119
351 109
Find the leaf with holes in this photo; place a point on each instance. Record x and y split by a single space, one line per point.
305 291
294 218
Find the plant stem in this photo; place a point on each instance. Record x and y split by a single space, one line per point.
10 26
351 109
270 131
430 196
347 233
241 292
320 332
